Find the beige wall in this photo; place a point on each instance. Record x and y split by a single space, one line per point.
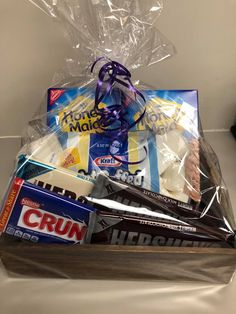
32 47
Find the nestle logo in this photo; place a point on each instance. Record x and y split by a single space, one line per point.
107 161
26 201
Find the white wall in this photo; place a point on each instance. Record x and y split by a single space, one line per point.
32 48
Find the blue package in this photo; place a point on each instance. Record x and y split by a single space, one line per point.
34 214
154 147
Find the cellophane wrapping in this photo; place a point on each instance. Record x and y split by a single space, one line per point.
107 161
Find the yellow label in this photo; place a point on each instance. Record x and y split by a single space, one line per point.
133 141
160 114
80 116
71 157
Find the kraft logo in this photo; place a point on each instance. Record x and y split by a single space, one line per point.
51 224
28 202
107 161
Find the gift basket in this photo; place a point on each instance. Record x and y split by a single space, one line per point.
114 178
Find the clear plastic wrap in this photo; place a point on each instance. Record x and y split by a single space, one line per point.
121 30
114 165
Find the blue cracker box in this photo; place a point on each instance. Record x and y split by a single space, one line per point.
73 109
171 119
34 214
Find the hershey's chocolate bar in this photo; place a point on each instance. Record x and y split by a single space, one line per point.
55 179
125 194
115 229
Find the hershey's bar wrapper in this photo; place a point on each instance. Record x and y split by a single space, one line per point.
117 229
54 179
107 189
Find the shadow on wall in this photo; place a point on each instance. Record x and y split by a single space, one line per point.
233 128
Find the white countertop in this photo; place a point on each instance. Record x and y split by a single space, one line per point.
18 296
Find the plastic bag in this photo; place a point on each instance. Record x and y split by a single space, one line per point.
112 161
121 30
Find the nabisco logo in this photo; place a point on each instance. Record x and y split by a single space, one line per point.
28 202
51 224
107 161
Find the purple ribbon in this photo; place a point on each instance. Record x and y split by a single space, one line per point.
110 73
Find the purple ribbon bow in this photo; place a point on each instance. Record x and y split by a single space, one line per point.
110 73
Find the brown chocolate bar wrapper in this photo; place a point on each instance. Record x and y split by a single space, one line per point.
129 195
117 229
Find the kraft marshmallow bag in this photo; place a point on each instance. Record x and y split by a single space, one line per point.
109 160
